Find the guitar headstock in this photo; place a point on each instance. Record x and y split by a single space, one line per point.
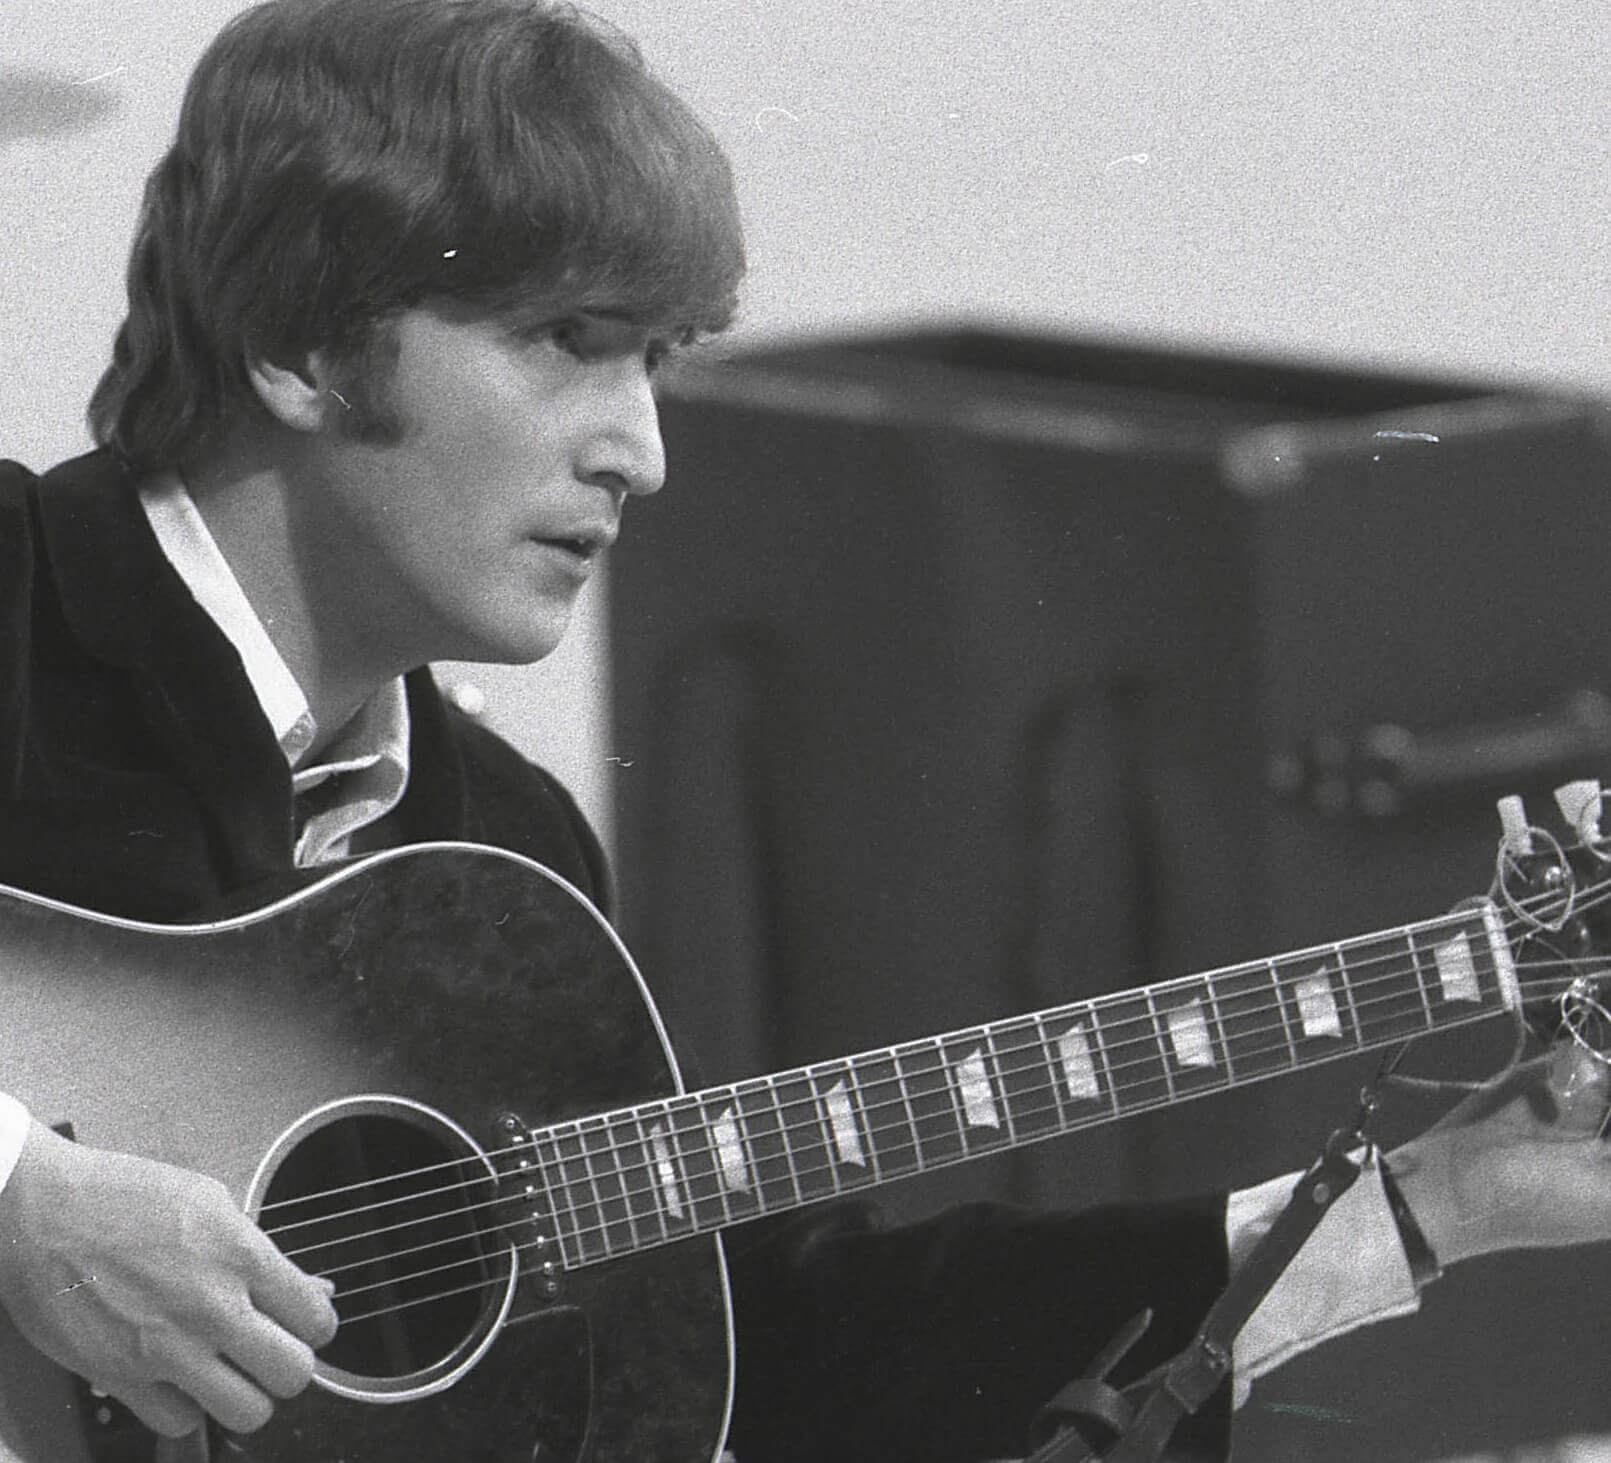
1555 895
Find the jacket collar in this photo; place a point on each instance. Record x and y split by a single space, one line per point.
127 607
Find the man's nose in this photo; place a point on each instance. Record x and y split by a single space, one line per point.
627 452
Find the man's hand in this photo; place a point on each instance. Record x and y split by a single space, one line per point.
1520 1164
149 1281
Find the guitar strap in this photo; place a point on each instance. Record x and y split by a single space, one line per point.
1089 1419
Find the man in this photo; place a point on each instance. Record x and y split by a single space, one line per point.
382 396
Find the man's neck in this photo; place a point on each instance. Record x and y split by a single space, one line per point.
286 574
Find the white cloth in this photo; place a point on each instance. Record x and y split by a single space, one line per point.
14 1120
1350 1273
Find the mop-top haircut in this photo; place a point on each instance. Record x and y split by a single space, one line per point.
340 161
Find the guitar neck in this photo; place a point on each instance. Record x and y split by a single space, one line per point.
648 1175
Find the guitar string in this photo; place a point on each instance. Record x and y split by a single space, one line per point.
1151 1019
1037 1050
1115 1048
812 1098
1113 1043
872 1107
1112 1030
582 1233
667 1237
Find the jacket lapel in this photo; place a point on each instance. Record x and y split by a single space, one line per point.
128 608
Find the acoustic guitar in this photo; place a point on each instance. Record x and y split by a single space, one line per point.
435 1076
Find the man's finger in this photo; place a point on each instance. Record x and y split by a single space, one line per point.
298 1301
163 1409
226 1394
278 1362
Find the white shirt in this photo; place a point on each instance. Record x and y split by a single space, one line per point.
364 771
1351 1272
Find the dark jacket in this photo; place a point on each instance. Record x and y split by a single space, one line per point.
139 778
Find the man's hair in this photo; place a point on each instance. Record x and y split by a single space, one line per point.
340 161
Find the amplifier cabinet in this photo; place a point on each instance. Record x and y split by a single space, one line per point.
959 674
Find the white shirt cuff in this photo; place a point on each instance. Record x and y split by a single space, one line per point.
14 1120
1351 1272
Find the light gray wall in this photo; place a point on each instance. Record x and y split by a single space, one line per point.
1375 181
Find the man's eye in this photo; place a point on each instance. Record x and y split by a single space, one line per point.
567 335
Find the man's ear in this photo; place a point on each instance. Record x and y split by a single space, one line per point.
295 393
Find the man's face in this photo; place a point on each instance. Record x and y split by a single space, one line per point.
469 533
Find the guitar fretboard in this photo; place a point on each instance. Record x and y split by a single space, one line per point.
651 1174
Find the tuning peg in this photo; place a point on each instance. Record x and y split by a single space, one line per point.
1579 803
1518 840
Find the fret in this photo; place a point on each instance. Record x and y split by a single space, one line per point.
851 1142
1002 1092
726 1135
586 1203
631 1191
664 1174
1385 995
1348 993
1131 1040
1051 1056
975 1092
1311 996
806 1133
1163 1044
1029 1085
1107 1060
1280 1006
560 1208
1084 1082
615 1213
638 1175
1253 1021
887 1113
1420 978
1191 1037
1219 1025
702 1183
935 1118
772 1158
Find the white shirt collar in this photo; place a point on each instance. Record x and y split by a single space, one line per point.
197 559
371 750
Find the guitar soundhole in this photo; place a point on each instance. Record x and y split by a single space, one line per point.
396 1206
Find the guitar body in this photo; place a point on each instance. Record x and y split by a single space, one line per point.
435 1077
408 1013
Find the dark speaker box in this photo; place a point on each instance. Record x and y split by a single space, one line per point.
961 674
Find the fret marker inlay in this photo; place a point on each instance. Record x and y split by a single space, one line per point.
1188 1033
1457 971
1317 1006
730 1153
978 1101
842 1119
666 1171
1079 1070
